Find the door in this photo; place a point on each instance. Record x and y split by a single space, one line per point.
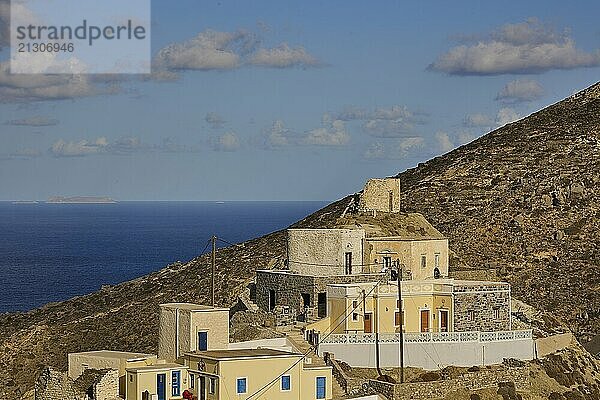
202 341
202 388
321 388
271 300
161 386
368 328
322 305
424 320
391 197
443 320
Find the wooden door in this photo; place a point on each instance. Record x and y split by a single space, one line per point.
368 328
443 320
424 320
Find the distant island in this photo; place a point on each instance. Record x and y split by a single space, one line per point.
80 200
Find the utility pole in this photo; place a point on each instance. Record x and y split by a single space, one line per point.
214 267
399 267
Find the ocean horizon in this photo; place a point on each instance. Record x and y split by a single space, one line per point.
53 252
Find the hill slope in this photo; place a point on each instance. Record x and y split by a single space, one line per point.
524 197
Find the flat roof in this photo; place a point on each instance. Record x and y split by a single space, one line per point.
156 367
115 354
193 307
243 353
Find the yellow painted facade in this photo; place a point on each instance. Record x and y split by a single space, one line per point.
172 377
420 257
237 374
361 308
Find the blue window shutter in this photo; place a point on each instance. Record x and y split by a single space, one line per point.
286 382
241 385
321 380
175 383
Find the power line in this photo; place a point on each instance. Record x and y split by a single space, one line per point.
312 347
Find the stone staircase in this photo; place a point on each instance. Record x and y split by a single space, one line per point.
296 337
244 297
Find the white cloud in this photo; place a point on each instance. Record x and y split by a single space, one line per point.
385 128
284 56
33 121
332 133
228 141
506 115
101 145
520 90
477 121
396 149
26 153
522 48
444 142
214 120
278 136
214 50
62 148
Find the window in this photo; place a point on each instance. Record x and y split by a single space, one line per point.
398 304
387 262
130 377
175 384
354 316
286 383
241 386
192 381
348 263
471 315
496 313
212 385
202 341
398 317
321 381
437 260
423 261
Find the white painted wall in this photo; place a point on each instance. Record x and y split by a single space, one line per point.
432 355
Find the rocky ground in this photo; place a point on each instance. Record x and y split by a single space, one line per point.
522 201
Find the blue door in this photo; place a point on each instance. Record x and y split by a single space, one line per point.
202 341
161 386
321 380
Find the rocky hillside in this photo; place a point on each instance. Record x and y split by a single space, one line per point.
523 198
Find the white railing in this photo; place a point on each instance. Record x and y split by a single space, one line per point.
430 337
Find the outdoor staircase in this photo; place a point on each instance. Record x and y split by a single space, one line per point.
296 337
244 297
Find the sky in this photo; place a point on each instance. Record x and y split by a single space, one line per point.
275 100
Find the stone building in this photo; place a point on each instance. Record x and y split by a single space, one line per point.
185 327
381 195
482 306
322 252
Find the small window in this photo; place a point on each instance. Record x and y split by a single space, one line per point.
192 380
423 261
387 262
348 263
286 383
130 377
321 387
398 304
355 304
354 316
496 313
175 385
212 385
398 317
471 315
437 260
241 386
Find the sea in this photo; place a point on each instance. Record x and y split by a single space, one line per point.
53 252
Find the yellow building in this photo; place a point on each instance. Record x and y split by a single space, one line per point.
161 381
185 327
238 374
421 258
372 308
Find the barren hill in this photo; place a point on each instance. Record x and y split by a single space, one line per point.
523 198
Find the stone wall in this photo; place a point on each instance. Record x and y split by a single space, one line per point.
440 389
107 386
322 252
56 385
379 193
289 288
481 306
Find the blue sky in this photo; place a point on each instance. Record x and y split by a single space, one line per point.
280 100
